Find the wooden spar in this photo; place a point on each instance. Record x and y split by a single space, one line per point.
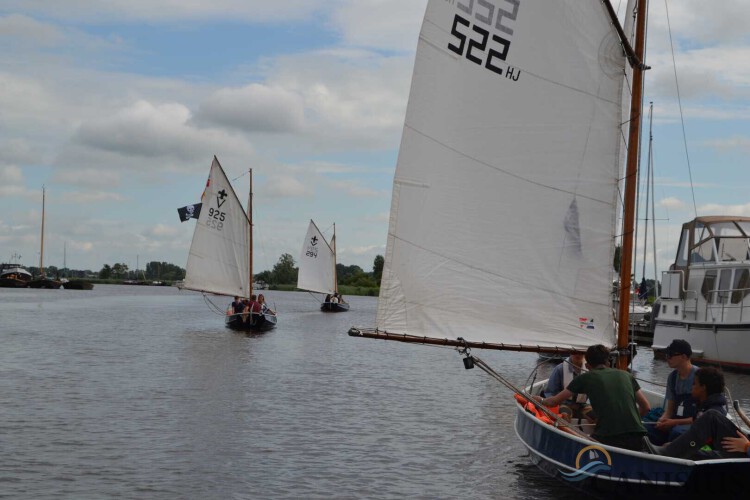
250 246
41 250
413 339
631 170
335 279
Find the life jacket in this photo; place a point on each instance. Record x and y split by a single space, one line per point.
568 376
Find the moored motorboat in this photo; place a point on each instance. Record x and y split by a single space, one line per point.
14 276
705 296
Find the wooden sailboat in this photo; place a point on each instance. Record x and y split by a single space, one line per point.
317 269
221 253
42 281
505 202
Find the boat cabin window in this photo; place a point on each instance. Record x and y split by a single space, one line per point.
732 249
709 284
682 250
725 282
704 252
741 286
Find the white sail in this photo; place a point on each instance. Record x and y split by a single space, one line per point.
317 262
504 200
219 256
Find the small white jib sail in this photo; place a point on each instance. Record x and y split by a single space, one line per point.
504 209
317 263
220 257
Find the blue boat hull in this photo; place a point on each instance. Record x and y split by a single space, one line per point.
613 472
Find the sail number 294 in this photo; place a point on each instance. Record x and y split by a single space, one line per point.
216 219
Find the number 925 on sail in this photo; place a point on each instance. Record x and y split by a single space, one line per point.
216 219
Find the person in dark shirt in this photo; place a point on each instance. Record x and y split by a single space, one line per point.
711 426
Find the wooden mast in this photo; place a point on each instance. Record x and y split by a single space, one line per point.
631 170
335 278
41 251
250 219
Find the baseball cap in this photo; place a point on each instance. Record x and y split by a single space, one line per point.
679 346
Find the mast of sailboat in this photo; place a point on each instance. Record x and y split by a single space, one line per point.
631 170
250 246
41 250
335 278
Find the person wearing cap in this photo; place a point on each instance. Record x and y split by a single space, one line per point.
712 430
681 405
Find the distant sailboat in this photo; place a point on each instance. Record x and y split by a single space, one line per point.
221 253
42 281
317 269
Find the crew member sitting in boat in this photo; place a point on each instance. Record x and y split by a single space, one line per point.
616 398
264 307
681 406
335 298
711 426
577 407
236 307
252 307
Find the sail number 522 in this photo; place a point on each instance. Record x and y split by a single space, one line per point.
477 46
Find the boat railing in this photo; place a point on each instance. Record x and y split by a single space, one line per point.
723 304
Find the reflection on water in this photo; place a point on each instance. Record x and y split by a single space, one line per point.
141 392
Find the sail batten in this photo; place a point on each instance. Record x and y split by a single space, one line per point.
218 259
502 226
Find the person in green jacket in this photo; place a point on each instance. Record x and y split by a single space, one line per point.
616 398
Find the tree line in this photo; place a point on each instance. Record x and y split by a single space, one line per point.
284 272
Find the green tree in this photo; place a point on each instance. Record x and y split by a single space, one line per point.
377 268
284 271
119 270
106 272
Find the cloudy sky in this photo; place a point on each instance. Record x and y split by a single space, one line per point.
118 106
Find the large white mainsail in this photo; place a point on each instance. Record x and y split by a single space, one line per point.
505 195
317 263
219 254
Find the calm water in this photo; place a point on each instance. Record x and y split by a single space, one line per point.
140 392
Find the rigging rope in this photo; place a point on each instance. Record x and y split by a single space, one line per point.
679 103
558 421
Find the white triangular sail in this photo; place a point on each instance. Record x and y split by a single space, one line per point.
317 262
219 259
504 200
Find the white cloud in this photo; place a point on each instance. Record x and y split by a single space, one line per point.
162 231
89 177
254 108
672 204
386 24
718 209
91 197
355 189
734 143
155 11
148 130
286 187
30 30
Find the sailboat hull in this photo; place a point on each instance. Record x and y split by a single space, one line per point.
335 308
251 323
605 470
45 283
